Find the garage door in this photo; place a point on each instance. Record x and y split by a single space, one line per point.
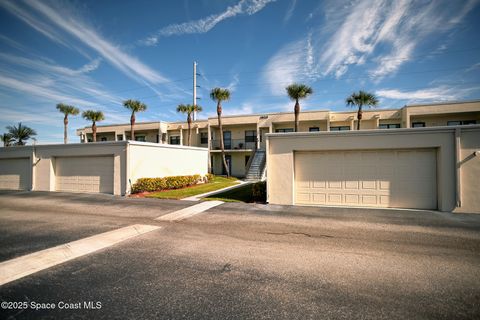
14 173
84 174
393 178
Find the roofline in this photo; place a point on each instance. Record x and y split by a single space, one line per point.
442 103
267 113
124 124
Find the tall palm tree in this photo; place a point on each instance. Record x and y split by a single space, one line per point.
189 109
7 139
361 99
20 134
134 106
219 95
66 110
296 92
93 116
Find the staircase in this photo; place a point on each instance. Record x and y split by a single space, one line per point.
257 166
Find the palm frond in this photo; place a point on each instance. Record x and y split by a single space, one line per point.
298 91
67 109
134 105
220 94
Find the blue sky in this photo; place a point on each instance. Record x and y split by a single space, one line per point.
95 54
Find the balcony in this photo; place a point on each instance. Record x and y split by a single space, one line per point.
234 144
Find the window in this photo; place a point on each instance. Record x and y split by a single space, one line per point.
340 128
284 130
246 160
89 140
313 129
418 124
103 139
250 135
140 138
389 126
461 122
174 139
227 139
119 137
203 137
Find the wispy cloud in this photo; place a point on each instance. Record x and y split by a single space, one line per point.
382 33
289 13
248 7
232 86
49 20
441 93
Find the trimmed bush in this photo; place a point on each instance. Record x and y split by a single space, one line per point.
259 191
209 177
166 183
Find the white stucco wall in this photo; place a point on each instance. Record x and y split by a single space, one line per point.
281 149
149 160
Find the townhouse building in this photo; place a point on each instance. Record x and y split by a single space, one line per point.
245 135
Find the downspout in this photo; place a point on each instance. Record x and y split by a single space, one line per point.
458 177
128 182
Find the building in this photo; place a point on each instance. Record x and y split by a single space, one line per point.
245 135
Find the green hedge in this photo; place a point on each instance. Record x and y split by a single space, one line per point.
166 183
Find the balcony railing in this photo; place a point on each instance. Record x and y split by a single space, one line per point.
234 144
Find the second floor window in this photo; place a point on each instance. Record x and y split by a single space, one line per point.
203 137
418 124
250 135
340 128
174 139
284 130
313 129
140 138
103 139
461 122
389 126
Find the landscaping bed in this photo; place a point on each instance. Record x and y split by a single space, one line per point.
216 183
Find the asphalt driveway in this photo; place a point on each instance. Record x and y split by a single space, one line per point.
239 261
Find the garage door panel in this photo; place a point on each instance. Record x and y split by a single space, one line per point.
381 178
14 173
84 174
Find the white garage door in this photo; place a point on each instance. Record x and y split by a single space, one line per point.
14 173
389 178
84 174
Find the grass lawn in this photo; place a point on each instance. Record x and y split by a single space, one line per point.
240 194
216 184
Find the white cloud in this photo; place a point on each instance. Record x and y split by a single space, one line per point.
441 93
248 7
381 32
289 13
232 86
38 14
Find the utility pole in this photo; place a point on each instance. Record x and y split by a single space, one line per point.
194 89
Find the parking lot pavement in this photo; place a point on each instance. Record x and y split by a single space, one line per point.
251 261
32 221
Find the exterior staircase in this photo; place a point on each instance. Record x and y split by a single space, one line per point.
256 169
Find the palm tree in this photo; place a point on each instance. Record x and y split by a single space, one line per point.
134 106
189 109
360 99
296 92
93 116
7 139
20 134
66 110
219 95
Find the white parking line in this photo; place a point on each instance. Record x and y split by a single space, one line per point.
26 265
189 211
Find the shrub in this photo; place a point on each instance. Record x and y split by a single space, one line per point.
166 183
209 177
259 191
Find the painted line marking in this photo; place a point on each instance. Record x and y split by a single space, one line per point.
23 266
189 211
